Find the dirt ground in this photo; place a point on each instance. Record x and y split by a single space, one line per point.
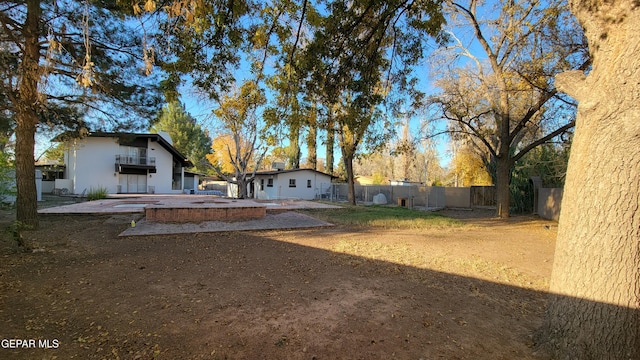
471 292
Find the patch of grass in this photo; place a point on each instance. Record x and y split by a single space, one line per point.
97 193
386 217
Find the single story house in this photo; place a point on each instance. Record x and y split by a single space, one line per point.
50 171
127 163
306 184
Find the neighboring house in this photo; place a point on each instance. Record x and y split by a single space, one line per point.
306 184
50 171
405 183
127 163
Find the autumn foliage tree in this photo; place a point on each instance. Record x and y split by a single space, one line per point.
502 97
242 144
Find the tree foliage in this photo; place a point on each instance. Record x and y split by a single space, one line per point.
469 169
200 40
64 63
358 52
238 115
186 134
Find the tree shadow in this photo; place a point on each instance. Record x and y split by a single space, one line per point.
260 295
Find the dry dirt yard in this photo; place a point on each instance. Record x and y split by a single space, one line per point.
470 292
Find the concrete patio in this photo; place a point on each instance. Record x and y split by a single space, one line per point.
175 214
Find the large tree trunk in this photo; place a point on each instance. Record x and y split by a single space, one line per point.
294 147
347 157
503 178
331 139
594 312
26 103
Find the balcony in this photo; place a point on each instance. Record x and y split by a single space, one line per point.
135 162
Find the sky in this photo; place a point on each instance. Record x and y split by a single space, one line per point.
201 110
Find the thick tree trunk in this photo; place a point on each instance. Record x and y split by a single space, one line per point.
594 312
503 194
26 199
348 164
294 147
26 104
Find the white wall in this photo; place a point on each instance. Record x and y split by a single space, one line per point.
161 180
281 189
91 164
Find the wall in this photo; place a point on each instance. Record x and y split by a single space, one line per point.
162 180
432 196
91 164
458 197
549 203
483 196
281 189
48 186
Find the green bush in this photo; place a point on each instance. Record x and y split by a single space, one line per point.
97 194
7 178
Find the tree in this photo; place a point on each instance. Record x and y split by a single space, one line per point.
7 172
186 134
359 51
508 104
312 139
56 152
330 142
468 168
91 55
200 39
548 162
406 148
594 309
237 113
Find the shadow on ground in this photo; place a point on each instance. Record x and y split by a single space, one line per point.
249 295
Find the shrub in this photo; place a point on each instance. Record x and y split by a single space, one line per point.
97 194
7 180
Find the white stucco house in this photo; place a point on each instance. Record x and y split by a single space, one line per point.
126 163
306 184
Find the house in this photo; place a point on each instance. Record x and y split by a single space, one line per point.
126 163
306 184
50 170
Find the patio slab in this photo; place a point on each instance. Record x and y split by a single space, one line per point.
123 204
280 221
274 214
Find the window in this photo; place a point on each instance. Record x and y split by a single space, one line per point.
292 182
309 183
269 182
261 184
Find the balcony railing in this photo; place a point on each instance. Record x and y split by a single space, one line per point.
135 160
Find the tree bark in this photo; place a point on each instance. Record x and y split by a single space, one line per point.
312 157
503 192
26 103
331 138
347 157
594 309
